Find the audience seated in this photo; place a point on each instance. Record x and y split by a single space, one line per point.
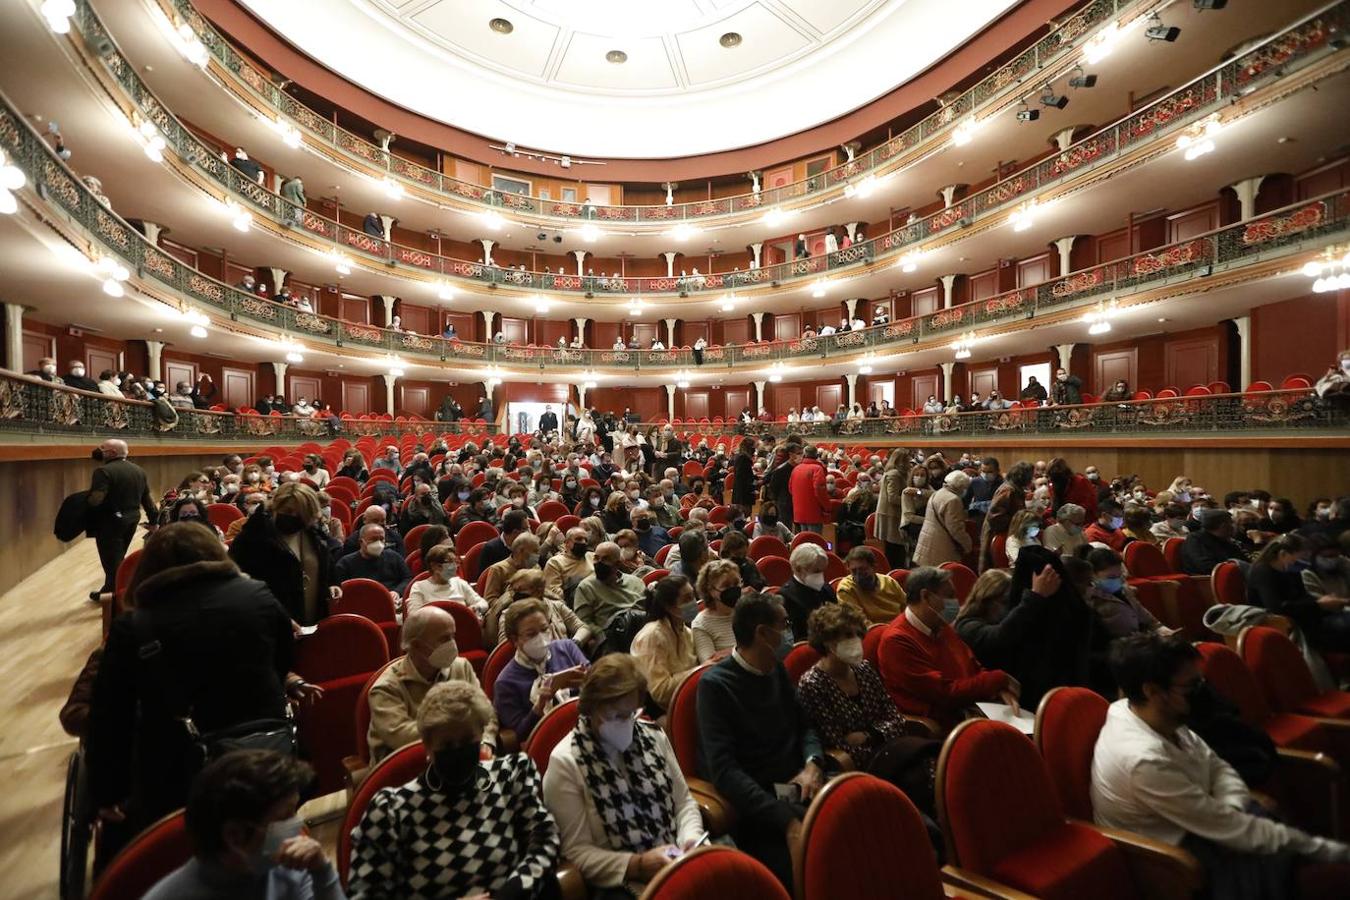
1211 544
719 587
443 583
376 561
606 592
541 673
664 648
807 590
876 595
528 584
1275 582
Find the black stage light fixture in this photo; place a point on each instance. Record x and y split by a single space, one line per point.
1027 114
1209 4
1050 99
1158 31
1080 79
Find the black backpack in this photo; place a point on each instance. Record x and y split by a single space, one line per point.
621 630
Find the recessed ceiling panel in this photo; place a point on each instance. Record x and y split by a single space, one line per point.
766 39
647 65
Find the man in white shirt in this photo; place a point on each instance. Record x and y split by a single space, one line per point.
1154 776
826 330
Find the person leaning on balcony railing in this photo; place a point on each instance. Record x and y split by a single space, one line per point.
1334 386
1034 390
1067 389
46 370
880 316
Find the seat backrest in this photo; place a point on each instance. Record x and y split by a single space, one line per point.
551 511
1144 560
775 569
899 576
151 855
567 521
342 645
399 767
809 537
1067 723
1172 553
1278 667
799 659
662 553
413 539
962 579
872 641
126 571
834 566
682 721
473 533
222 514
1228 584
470 562
468 630
862 837
998 551
1229 676
365 597
655 575
556 724
496 661
768 545
715 871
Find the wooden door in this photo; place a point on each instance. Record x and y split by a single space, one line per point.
99 359
516 331
356 398
417 319
306 386
176 372
829 396
237 388
921 387
1185 225
1190 362
35 347
737 400
984 284
354 309
645 333
416 401
696 404
1034 270
787 328
1110 366
926 301
736 331
982 381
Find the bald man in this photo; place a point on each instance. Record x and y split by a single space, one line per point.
374 515
117 494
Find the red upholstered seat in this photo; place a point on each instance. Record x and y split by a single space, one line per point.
799 659
1228 583
1283 676
662 553
988 768
473 533
998 551
469 568
863 838
567 521
872 641
963 579
222 514
809 537
413 539
654 576
364 597
682 721
361 719
399 767
496 661
1231 678
1172 553
768 545
551 511
775 569
154 853
468 633
899 576
715 871
834 566
1067 724
556 724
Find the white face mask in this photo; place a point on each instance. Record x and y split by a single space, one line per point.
849 651
78 371
444 655
617 733
536 648
449 570
374 548
277 834
815 581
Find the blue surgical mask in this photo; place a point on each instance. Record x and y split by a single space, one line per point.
1033 531
1110 585
950 607
1117 522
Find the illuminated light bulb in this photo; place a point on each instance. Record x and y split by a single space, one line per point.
242 221
112 287
964 133
491 220
198 331
11 176
864 370
9 204
1101 327
818 290
963 353
728 306
590 234
773 217
392 189
295 357
445 291
683 232
396 371
1312 269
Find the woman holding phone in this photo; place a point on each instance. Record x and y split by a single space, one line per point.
542 673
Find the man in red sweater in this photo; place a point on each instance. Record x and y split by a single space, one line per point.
1107 529
811 502
926 667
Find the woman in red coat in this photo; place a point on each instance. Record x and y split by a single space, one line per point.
1067 487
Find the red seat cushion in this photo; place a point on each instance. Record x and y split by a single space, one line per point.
1069 863
1331 705
1293 730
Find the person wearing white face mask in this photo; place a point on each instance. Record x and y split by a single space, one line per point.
541 674
77 378
615 788
807 590
443 583
430 657
109 383
247 834
374 560
1334 386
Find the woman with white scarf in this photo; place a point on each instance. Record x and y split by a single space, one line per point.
615 788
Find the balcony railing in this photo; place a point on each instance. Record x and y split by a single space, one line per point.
1000 85
1301 226
1296 46
34 407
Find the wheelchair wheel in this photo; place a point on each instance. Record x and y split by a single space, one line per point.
76 830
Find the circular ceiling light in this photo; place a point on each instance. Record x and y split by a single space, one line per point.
501 26
730 39
616 56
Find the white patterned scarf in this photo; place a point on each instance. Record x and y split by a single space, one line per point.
637 810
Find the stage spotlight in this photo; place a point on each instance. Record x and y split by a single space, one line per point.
1081 79
1050 99
1158 31
1027 114
1203 5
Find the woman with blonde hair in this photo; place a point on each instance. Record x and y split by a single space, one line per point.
1025 528
992 625
282 545
719 587
664 648
914 503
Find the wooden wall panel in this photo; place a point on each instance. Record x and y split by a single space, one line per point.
736 331
1190 362
735 400
696 405
784 398
1037 269
787 327
176 371
306 386
645 332
603 334
98 358
35 347
416 401
418 319
984 284
829 397
982 381
354 309
921 387
517 331
236 387
1192 222
1112 246
926 301
1110 366
356 398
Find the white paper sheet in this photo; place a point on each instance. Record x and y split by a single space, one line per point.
1024 721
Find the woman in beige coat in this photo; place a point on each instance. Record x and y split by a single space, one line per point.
944 537
890 511
914 503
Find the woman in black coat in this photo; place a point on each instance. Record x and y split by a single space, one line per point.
743 485
202 642
1057 651
285 548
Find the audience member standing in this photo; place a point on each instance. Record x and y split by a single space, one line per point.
117 493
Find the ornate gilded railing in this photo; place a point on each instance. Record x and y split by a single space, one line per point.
1302 226
31 406
1000 85
1298 45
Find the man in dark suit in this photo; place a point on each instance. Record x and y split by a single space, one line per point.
548 421
117 494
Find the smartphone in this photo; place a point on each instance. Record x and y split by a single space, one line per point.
790 792
307 630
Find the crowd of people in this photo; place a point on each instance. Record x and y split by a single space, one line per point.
214 619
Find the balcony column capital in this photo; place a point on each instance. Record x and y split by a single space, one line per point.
670 402
581 262
851 228
670 262
1243 324
387 223
948 193
948 368
851 304
1064 138
756 251
1065 247
759 325
1246 191
759 396
1065 353
581 396
152 231
488 316
488 244
388 301
670 336
948 282
278 279
279 369
389 392
153 351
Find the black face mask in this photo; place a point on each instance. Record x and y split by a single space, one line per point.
867 581
579 549
768 521
603 571
729 595
644 525
457 767
97 454
1203 704
289 523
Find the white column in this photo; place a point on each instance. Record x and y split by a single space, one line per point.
948 193
581 327
280 369
488 244
759 325
1065 246
670 402
388 301
947 369
387 222
670 262
1064 139
1246 191
670 333
759 394
757 249
152 231
389 392
14 337
1244 330
852 305
947 283
670 187
852 229
581 261
581 397
153 350
754 182
1065 352
487 322
852 379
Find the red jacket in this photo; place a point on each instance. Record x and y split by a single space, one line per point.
1095 533
1080 491
811 503
935 676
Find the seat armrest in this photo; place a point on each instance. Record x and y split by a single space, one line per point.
507 742
718 815
921 726
1160 870
972 885
1309 787
571 886
356 770
841 757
